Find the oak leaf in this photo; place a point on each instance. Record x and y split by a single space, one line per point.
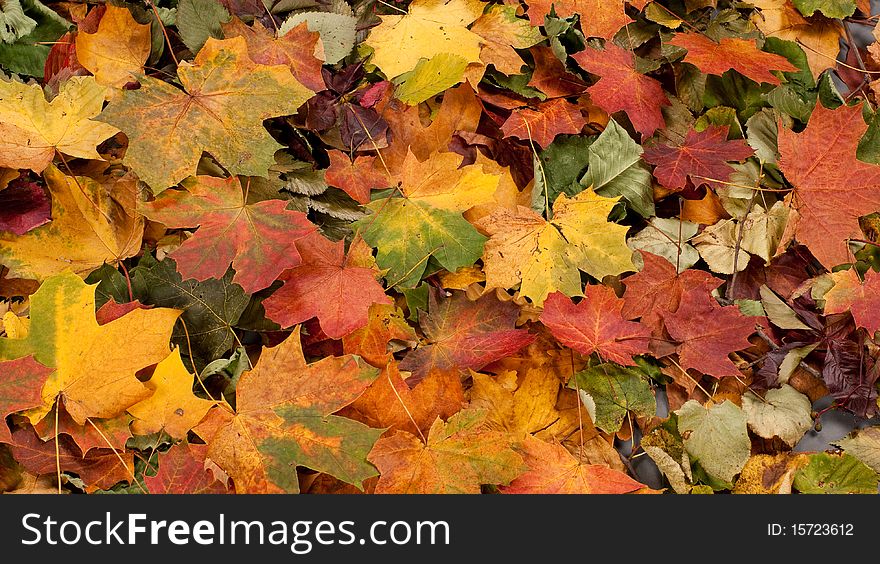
460 455
93 365
832 188
595 324
258 240
221 108
33 129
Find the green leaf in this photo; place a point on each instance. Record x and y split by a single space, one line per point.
337 32
615 391
197 20
783 412
616 169
829 8
864 444
341 450
407 233
869 145
761 135
27 55
14 24
563 162
835 474
716 438
111 284
430 77
210 308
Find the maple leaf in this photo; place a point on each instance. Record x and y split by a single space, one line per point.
459 456
96 433
462 334
32 129
595 324
357 178
295 49
550 75
23 379
503 32
336 288
258 240
372 342
819 35
861 299
708 333
429 28
221 108
93 365
599 18
283 420
172 408
702 157
117 50
92 224
391 404
545 123
524 405
553 470
98 469
24 206
622 87
741 55
832 188
182 471
658 289
545 256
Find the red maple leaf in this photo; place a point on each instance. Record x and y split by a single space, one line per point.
832 188
702 156
545 123
551 77
657 289
182 471
462 334
259 240
335 288
741 55
862 300
707 333
357 178
622 87
22 386
599 18
595 324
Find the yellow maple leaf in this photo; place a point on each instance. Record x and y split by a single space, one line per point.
431 27
439 182
546 256
32 128
94 365
92 224
173 407
119 48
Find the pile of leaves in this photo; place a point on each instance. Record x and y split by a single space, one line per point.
538 246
